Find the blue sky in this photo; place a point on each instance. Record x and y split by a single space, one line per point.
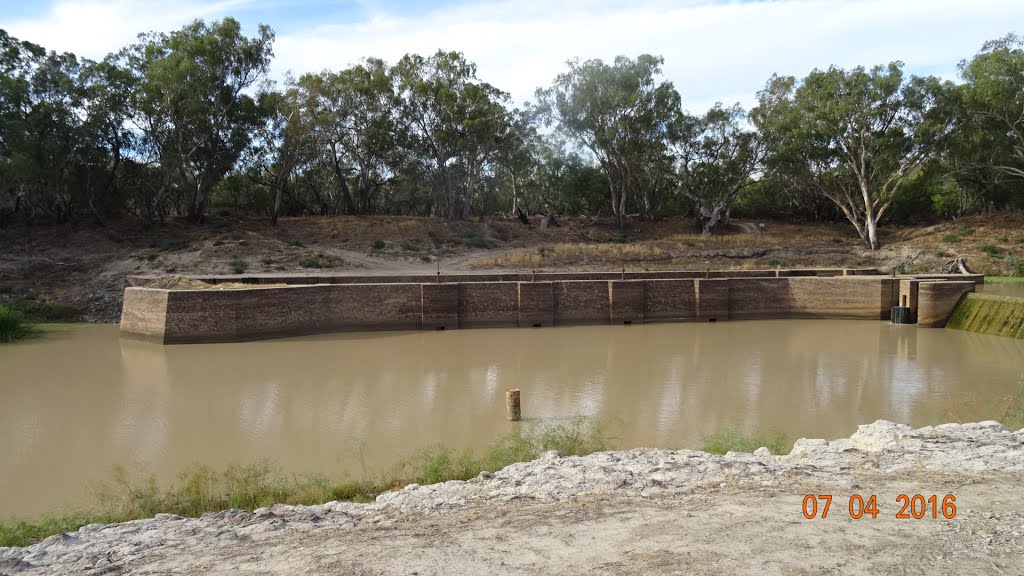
715 50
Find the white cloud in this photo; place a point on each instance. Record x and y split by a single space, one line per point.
93 29
714 50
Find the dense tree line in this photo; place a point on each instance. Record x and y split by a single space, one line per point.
179 124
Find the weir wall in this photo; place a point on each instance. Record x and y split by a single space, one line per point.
338 304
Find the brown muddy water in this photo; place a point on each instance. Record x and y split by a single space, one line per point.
81 400
1015 289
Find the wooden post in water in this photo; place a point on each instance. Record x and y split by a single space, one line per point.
512 404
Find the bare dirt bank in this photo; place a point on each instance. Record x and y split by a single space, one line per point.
643 511
87 266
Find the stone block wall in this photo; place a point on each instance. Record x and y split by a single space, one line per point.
510 300
937 300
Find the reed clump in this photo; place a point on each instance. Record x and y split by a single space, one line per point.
736 440
202 489
13 325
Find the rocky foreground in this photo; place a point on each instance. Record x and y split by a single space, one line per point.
642 511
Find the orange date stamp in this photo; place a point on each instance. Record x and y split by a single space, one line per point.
914 507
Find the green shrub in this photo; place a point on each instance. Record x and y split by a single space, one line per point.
201 489
321 260
478 241
965 230
13 325
43 311
378 244
169 244
991 250
774 262
239 266
951 238
6 289
734 440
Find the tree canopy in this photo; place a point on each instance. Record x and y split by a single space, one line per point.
178 124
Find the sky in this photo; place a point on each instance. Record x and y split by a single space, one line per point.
714 50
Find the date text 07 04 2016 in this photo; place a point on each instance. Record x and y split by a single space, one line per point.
914 507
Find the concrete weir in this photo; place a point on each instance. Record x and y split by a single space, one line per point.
291 305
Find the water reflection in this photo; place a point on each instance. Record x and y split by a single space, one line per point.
79 402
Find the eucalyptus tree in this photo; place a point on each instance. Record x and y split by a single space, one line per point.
856 136
191 102
453 122
618 112
351 116
994 94
717 157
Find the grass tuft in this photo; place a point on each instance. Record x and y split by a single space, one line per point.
13 325
43 311
238 266
735 440
201 489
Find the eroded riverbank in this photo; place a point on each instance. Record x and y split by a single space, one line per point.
641 511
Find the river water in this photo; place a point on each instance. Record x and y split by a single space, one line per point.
81 400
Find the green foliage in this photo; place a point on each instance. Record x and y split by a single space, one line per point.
13 325
238 265
618 112
992 250
6 289
43 311
774 262
478 241
718 156
951 238
736 440
201 489
965 230
321 260
169 244
989 314
378 244
1013 414
810 126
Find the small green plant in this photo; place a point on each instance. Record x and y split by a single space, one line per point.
239 266
436 238
774 262
378 244
6 289
965 230
169 244
296 244
950 238
43 311
942 254
321 260
734 440
13 325
478 241
201 489
411 245
1013 414
218 242
266 260
991 250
